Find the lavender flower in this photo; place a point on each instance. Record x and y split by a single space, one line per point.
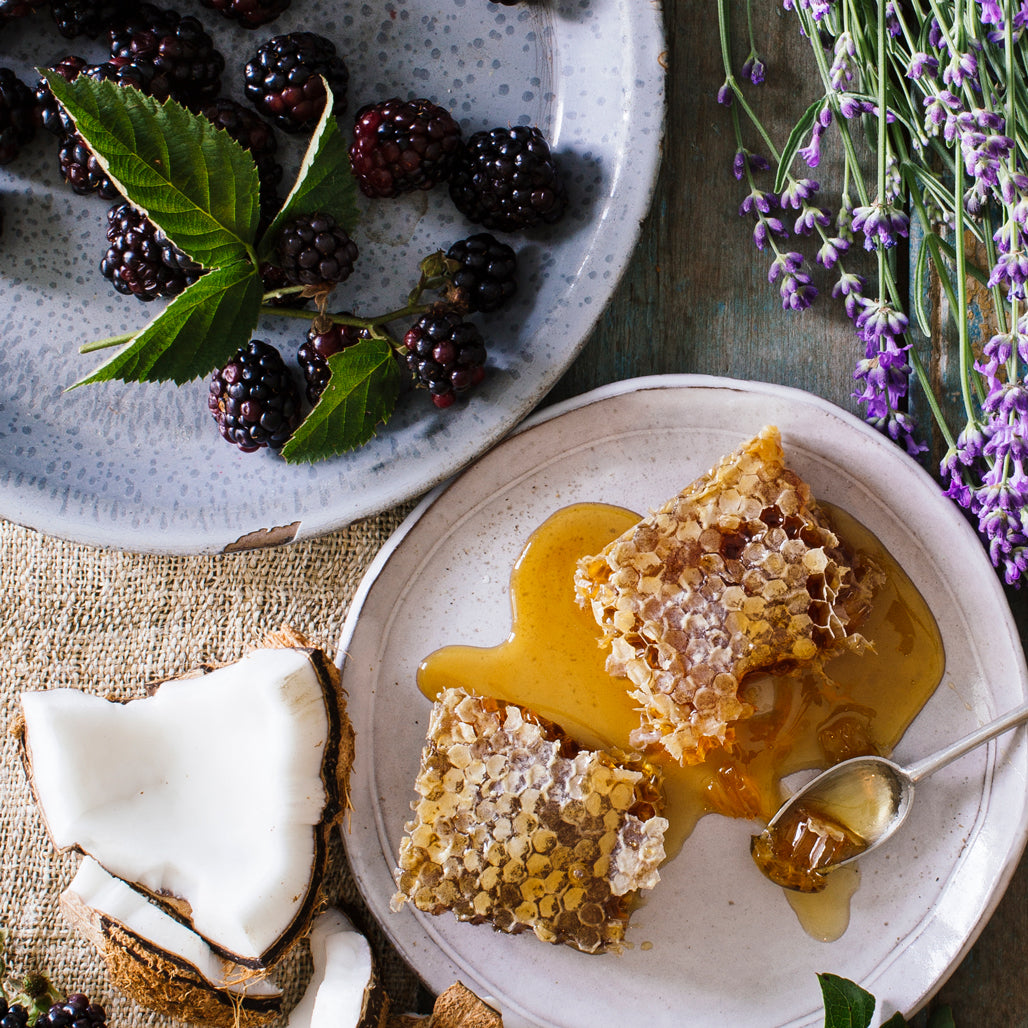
952 107
830 251
881 224
753 68
842 70
922 64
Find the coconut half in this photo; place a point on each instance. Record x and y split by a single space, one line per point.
343 991
158 961
215 795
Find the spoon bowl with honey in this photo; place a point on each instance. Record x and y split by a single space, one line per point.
850 809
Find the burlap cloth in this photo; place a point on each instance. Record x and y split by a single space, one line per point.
108 622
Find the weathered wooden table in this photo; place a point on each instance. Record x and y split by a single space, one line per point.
696 299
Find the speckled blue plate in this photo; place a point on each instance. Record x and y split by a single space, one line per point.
143 467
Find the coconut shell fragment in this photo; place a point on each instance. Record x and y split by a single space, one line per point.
457 1007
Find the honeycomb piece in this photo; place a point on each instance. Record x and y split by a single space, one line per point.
518 827
739 572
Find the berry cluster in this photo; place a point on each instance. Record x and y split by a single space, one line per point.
504 180
75 1012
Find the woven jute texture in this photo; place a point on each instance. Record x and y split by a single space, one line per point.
109 622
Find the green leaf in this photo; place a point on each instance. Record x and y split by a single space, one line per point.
792 144
896 1021
847 1005
193 181
198 331
324 184
360 394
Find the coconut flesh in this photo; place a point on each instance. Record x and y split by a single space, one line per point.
158 960
341 992
214 795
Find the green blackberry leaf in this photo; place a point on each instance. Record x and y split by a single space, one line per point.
196 183
197 332
847 1005
360 395
324 184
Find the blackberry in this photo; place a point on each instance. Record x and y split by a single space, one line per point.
75 1012
49 112
254 400
315 351
445 354
141 261
13 1016
402 145
180 48
282 79
313 250
17 115
487 276
251 132
85 17
249 13
507 179
82 171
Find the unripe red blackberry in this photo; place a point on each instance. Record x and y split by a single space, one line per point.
313 250
314 352
254 400
180 48
253 133
17 115
507 179
403 145
249 13
141 261
445 354
283 79
487 276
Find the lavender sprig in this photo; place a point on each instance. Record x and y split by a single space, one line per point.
938 87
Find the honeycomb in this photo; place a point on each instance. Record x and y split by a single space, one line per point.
518 827
739 572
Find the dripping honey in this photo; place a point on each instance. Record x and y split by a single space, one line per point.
553 664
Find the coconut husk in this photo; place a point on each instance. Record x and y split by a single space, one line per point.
157 980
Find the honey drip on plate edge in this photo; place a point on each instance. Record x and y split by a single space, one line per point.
553 664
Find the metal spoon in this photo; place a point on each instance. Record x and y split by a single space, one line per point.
868 798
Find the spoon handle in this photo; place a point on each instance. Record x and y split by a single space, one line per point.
928 766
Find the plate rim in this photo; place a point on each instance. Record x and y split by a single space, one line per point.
1019 839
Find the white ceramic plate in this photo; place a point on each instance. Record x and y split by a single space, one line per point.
142 467
726 947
